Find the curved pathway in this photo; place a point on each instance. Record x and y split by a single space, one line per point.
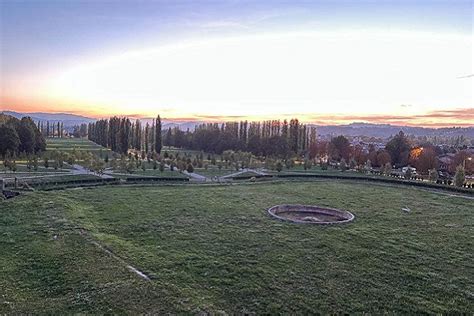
80 170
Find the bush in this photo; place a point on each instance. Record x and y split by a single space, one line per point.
279 166
368 166
408 174
387 170
343 165
352 164
190 168
460 176
433 175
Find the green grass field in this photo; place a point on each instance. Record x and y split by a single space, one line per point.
214 249
151 173
182 151
213 171
68 144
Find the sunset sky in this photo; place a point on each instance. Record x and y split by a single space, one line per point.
397 62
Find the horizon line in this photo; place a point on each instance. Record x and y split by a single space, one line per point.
312 119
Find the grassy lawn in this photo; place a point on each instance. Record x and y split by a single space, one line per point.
152 172
41 169
50 180
67 144
213 172
214 249
11 175
23 171
182 151
312 170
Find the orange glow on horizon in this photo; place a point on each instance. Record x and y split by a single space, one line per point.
433 119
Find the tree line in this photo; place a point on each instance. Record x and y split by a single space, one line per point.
20 136
271 139
121 134
51 129
267 138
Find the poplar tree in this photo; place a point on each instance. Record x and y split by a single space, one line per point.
158 144
147 130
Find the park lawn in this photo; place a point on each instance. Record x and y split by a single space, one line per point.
182 152
61 178
313 170
215 249
41 168
316 170
51 180
213 172
12 175
69 144
152 173
247 174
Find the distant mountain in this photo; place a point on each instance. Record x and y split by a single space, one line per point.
353 129
67 119
387 130
181 125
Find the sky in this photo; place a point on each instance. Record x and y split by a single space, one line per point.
326 62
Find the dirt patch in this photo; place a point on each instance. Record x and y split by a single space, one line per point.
310 214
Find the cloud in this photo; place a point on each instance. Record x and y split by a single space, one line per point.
439 118
247 22
467 76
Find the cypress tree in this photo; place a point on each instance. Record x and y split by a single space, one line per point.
158 144
147 130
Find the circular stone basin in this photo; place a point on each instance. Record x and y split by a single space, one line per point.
310 214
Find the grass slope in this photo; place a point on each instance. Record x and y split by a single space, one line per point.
79 144
214 248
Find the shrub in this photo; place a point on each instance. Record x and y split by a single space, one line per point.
190 168
279 166
368 166
460 176
408 174
433 175
12 166
343 165
35 163
352 163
